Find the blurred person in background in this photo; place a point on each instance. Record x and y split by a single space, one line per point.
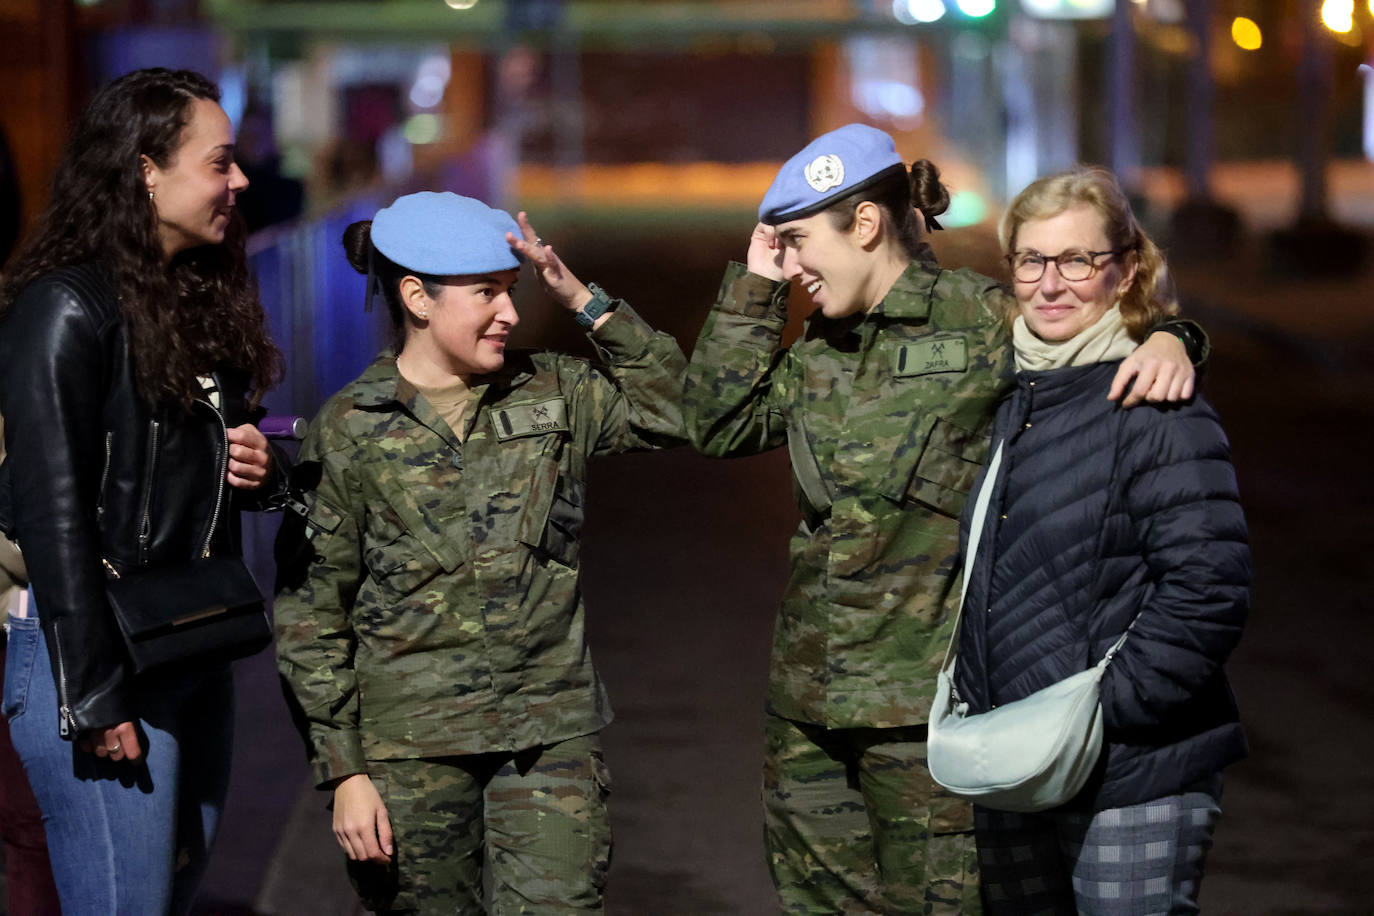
29 888
276 198
885 405
430 622
132 352
1104 522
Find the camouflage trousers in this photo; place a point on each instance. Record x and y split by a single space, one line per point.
854 824
536 820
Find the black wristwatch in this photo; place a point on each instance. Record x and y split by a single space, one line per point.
1191 333
599 305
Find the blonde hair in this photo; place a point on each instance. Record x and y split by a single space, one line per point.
1151 295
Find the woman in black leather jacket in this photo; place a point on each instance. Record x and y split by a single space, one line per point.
132 351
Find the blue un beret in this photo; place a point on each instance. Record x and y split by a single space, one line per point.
443 234
829 168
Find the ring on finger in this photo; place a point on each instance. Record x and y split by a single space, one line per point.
113 749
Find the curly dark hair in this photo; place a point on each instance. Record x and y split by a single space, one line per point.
198 313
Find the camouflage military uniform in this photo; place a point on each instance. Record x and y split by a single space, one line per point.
886 417
436 611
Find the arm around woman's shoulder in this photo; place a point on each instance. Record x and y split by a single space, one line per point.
1184 505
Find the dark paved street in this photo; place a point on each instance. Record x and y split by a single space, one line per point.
685 560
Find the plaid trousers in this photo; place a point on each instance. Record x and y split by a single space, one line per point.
1132 861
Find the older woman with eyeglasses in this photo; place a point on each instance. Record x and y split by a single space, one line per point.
1102 522
885 404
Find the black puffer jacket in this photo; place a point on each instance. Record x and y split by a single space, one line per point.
1100 513
95 474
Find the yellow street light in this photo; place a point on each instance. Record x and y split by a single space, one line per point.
1246 34
1338 15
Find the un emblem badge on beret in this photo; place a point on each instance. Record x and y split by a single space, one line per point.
830 167
825 172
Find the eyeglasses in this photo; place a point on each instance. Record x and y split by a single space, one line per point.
1028 266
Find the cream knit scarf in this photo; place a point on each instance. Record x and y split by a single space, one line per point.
1102 342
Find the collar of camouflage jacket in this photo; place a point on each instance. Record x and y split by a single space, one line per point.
382 385
910 296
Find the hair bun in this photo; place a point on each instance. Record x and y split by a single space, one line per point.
357 240
928 193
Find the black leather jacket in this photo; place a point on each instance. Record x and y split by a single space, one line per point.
96 477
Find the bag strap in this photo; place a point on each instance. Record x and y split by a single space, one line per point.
975 534
1102 665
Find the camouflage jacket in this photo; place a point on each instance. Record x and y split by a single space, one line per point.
434 608
887 418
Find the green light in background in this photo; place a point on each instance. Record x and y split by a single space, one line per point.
966 208
977 9
421 129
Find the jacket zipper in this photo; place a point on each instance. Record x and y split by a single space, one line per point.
145 531
66 722
223 476
105 474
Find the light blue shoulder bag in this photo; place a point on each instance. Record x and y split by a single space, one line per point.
1031 754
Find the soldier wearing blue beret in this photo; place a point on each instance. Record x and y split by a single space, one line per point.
885 405
431 624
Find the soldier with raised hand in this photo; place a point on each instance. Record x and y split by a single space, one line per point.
885 405
431 624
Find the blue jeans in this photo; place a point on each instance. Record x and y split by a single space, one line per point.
124 838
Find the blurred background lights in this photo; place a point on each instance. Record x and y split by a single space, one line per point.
427 92
913 11
422 128
1246 34
901 102
976 8
1367 72
430 81
966 208
460 4
1339 15
1068 9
